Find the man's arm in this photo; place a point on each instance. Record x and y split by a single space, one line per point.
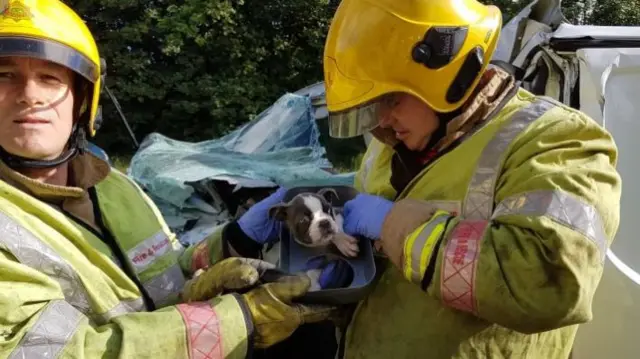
226 240
535 265
36 322
244 237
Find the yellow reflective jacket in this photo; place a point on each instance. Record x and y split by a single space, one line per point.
531 202
65 294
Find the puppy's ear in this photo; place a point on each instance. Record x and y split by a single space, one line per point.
279 211
329 194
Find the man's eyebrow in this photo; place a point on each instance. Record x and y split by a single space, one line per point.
5 61
48 65
53 66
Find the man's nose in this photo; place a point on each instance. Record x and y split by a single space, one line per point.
31 94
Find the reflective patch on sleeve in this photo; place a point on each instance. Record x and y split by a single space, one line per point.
148 251
457 284
203 330
165 287
54 328
419 246
562 208
124 307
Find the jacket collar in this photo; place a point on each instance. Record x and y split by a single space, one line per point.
85 171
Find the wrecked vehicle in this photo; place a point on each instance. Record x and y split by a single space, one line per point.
200 185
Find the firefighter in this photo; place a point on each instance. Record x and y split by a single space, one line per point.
88 266
492 207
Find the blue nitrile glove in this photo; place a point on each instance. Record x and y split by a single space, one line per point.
365 214
256 224
335 273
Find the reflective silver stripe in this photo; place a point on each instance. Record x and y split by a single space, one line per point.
165 287
457 285
478 202
561 207
31 251
124 307
418 247
51 332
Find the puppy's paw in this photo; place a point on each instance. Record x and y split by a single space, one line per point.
346 244
314 276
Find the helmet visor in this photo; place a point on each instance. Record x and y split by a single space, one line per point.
354 121
50 51
357 121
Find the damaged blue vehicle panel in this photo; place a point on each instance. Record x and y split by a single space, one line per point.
195 182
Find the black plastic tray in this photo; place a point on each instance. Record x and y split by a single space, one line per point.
294 257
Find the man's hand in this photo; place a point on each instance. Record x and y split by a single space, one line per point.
365 214
257 224
231 274
274 314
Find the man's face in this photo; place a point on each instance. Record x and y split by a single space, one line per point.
412 120
36 107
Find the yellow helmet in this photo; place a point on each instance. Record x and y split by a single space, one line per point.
50 30
435 50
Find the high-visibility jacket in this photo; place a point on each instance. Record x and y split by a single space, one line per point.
64 294
529 204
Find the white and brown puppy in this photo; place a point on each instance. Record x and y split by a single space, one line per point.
314 222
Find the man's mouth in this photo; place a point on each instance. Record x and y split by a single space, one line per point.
31 120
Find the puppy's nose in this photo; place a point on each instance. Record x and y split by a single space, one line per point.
324 224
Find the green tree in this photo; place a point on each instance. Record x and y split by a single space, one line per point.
197 69
616 12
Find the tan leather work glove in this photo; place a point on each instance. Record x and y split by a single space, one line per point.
230 274
274 315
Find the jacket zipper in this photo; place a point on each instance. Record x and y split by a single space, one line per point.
109 240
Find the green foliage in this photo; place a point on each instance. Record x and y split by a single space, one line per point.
619 12
195 69
121 163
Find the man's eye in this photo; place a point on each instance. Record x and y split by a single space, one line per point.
50 79
6 75
390 101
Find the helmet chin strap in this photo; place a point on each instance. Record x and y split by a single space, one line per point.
77 145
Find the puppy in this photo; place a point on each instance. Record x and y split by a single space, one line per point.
313 221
